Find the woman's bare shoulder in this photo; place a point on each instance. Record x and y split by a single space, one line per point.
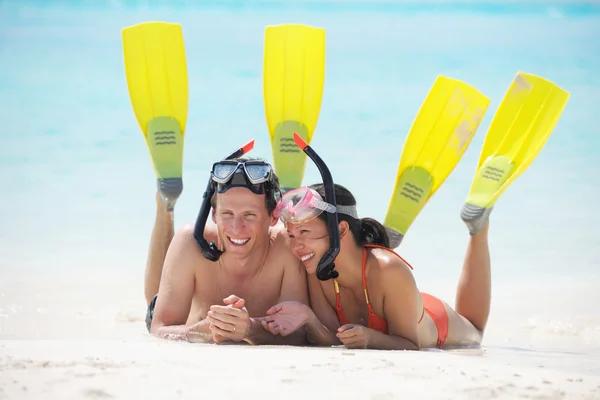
390 265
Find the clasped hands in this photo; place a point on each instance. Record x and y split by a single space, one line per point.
230 322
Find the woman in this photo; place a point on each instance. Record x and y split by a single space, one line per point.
374 303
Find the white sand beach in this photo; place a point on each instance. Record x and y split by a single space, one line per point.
73 342
157 370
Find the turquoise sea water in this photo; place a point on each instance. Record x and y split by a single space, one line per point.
78 186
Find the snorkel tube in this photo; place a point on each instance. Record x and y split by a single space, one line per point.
210 251
325 269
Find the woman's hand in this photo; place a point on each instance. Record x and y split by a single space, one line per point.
354 336
286 317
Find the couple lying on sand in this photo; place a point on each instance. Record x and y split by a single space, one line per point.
259 281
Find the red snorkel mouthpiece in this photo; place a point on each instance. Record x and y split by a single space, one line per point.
299 141
247 147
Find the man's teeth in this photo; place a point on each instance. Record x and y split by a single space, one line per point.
307 256
239 242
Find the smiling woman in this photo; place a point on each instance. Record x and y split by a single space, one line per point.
323 226
374 303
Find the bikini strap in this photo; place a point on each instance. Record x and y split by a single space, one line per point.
364 277
338 301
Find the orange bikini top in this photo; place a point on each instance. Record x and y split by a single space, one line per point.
375 321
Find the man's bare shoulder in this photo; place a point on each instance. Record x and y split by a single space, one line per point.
210 231
279 232
185 248
185 235
186 232
280 246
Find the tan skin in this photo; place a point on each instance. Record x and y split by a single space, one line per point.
200 300
393 294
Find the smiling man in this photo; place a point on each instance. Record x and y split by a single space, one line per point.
217 292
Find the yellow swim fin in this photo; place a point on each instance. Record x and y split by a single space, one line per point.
155 67
438 137
520 128
293 79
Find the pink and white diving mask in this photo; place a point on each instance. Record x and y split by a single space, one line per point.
304 204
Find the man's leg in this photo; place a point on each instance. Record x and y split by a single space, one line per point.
473 296
162 234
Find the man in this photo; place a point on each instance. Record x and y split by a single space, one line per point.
222 300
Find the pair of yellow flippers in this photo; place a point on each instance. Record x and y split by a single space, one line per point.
294 73
443 129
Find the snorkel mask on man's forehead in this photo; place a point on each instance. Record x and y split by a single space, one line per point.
255 175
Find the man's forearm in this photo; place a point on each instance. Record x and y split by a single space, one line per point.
198 332
257 335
